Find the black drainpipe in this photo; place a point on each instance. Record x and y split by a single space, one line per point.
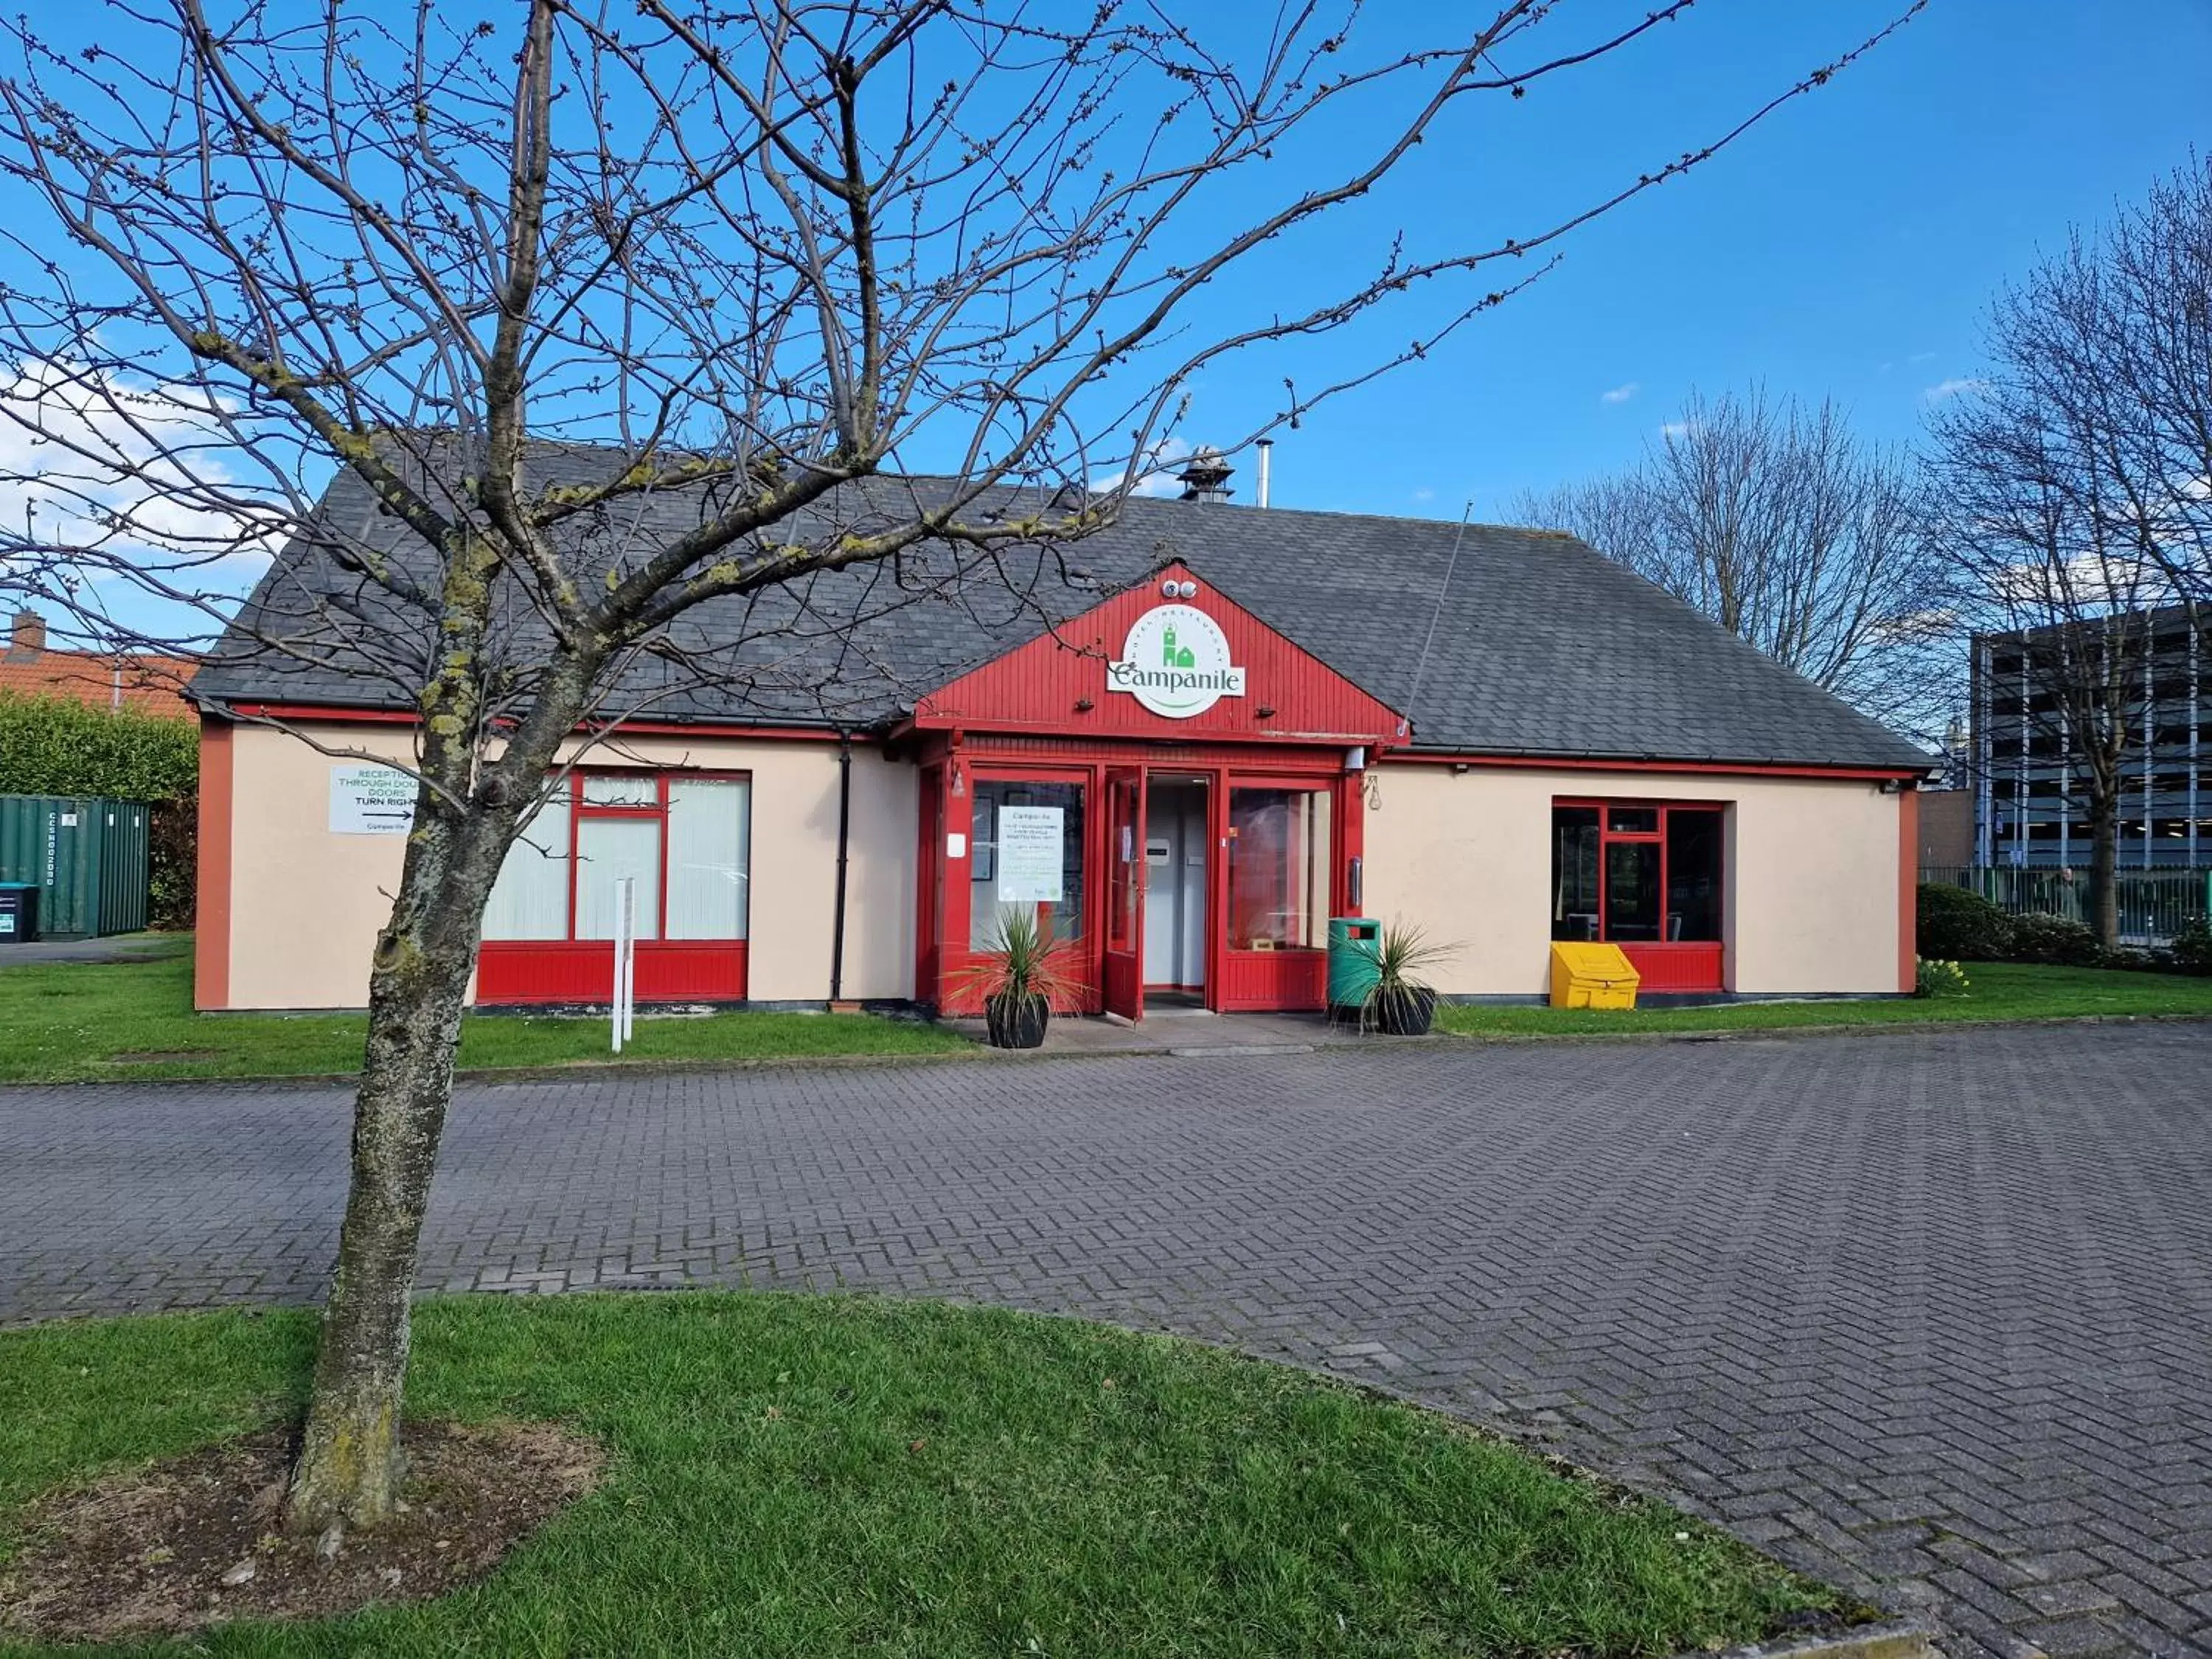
844 832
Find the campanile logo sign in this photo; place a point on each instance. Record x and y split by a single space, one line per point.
1175 663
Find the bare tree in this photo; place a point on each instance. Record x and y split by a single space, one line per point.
2047 538
2113 337
1788 531
625 311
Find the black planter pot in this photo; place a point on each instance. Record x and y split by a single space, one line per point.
1016 1022
1405 1013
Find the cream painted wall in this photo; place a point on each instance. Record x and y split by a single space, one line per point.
306 903
1812 870
1811 873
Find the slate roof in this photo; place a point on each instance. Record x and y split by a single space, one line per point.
1538 646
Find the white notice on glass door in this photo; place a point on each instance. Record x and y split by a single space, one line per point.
1029 855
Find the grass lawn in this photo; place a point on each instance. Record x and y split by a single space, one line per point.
799 1476
1998 990
66 1022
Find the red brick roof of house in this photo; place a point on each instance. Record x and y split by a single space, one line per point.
141 681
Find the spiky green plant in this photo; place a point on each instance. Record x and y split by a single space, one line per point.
1022 959
1403 954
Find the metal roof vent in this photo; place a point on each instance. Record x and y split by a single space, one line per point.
1206 477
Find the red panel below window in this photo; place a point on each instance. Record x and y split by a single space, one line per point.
1253 980
511 972
1677 967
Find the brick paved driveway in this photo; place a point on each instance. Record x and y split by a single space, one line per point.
1926 1314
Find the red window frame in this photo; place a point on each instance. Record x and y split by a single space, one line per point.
580 809
656 809
1677 967
1125 887
1607 836
1287 879
1086 944
568 969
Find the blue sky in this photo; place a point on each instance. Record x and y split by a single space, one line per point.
1848 247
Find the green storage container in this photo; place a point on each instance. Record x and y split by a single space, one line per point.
1352 968
88 856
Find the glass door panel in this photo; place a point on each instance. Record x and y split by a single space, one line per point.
1693 875
1026 851
707 859
607 849
1575 841
1122 991
1631 889
530 900
1279 868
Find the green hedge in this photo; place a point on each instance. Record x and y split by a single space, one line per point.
2193 946
2055 942
1957 926
51 747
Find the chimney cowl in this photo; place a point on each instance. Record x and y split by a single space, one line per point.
29 636
1205 477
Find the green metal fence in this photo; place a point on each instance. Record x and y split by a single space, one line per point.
2153 903
87 853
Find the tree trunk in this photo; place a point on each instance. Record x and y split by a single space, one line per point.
2103 871
349 1465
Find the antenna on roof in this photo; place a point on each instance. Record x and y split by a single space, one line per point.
1429 638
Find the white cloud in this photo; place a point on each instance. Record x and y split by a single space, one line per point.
1621 394
1956 386
2083 585
1155 477
1677 429
120 472
1425 495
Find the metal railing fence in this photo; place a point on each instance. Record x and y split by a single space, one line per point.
2153 903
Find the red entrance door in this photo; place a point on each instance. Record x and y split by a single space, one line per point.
1123 977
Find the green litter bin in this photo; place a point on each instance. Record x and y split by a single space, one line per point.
1352 969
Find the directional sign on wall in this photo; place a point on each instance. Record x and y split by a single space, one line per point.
371 801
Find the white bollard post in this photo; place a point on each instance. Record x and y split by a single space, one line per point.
621 996
629 958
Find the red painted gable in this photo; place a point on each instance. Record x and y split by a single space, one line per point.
1059 683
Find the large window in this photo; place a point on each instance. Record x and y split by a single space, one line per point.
1025 850
1279 868
1638 874
683 839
